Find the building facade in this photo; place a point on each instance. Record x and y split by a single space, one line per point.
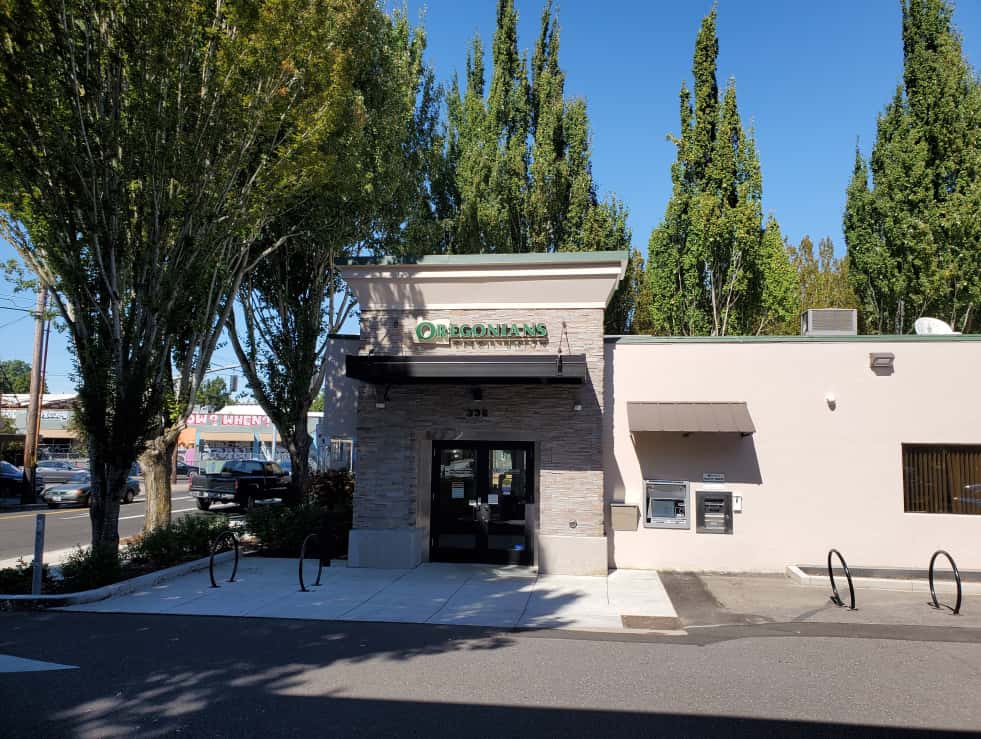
496 423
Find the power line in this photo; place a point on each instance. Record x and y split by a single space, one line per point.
11 323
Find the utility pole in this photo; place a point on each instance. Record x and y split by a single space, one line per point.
29 493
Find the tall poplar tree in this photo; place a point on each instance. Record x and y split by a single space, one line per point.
518 160
712 266
914 235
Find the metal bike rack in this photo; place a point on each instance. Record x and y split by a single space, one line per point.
957 578
320 562
836 598
219 540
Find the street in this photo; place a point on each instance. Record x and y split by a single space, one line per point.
66 528
148 676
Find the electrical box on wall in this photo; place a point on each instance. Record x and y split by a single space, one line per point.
713 512
666 504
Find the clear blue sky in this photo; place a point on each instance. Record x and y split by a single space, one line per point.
810 76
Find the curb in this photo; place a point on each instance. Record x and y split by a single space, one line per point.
31 602
796 574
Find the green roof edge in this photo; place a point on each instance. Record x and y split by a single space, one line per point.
487 259
871 339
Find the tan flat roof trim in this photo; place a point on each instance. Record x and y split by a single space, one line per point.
58 434
226 435
691 417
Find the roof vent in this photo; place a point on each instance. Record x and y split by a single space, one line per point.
829 322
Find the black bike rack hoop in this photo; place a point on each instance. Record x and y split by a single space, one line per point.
957 578
835 597
320 562
219 540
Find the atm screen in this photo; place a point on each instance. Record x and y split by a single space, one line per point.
665 508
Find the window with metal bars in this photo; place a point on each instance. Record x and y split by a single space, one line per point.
942 478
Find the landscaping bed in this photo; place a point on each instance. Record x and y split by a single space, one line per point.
276 531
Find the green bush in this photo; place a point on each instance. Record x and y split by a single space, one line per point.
86 569
17 580
281 530
332 491
327 508
189 537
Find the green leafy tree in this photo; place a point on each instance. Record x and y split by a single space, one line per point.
712 268
622 315
214 394
517 172
15 377
293 304
318 403
911 217
822 279
143 154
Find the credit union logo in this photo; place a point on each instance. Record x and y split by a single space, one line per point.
439 332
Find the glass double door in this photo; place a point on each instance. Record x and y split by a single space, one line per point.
482 495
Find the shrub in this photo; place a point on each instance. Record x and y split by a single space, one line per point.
17 580
186 538
332 491
86 569
281 530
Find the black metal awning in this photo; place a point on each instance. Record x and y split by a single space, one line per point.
501 369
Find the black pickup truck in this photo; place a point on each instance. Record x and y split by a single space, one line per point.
243 482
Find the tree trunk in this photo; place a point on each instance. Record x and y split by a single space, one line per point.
108 485
157 461
299 449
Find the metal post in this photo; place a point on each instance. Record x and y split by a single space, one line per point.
38 554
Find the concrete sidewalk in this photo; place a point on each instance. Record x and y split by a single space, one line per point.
463 594
706 600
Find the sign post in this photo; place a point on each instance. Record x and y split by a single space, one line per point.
38 554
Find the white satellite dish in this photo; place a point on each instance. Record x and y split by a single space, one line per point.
927 326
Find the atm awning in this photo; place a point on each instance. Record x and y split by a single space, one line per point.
690 417
549 369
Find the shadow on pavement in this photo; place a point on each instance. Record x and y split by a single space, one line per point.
153 676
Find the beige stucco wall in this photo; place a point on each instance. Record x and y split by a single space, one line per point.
811 477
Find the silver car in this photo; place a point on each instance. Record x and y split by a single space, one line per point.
76 491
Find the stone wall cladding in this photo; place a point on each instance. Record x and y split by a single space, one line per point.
569 461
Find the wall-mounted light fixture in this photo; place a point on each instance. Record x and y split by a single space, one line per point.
831 400
381 398
577 406
477 393
882 360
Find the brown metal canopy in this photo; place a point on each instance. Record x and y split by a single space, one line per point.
690 417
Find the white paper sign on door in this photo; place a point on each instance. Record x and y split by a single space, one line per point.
492 499
456 489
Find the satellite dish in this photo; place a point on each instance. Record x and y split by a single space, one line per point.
927 326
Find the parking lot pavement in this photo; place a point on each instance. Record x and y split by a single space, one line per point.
712 600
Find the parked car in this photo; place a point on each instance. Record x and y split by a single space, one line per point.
11 480
54 472
77 491
243 482
186 470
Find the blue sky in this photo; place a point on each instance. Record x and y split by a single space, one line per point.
810 77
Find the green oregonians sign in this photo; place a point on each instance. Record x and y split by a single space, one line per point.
433 331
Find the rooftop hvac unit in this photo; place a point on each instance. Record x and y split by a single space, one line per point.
829 322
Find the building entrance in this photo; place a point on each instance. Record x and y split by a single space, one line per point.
482 493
